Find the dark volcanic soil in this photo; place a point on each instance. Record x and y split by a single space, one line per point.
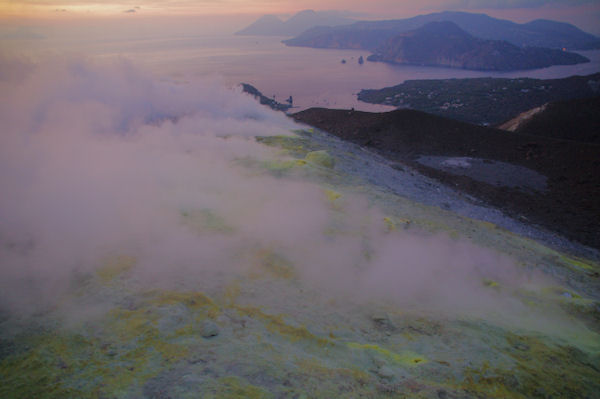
577 120
570 205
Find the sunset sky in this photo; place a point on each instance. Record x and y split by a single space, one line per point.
584 13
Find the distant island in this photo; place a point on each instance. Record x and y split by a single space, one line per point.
370 35
445 44
457 40
484 101
271 25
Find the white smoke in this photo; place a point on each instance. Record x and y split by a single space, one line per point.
97 160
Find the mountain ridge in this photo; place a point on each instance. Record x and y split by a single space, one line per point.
369 35
445 44
271 25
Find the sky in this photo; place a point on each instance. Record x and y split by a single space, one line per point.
384 7
584 13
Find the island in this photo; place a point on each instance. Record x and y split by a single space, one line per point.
445 44
269 102
370 35
457 40
483 101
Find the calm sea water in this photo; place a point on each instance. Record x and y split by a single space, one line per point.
313 77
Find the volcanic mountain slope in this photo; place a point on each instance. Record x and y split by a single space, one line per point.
483 101
568 203
577 120
183 241
370 35
445 44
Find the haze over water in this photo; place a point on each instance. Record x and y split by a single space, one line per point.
313 77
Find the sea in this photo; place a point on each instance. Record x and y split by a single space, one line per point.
313 77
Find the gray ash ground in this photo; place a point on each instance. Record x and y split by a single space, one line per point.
499 174
568 206
463 323
404 180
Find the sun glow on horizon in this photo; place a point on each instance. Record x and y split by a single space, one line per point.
50 8
583 13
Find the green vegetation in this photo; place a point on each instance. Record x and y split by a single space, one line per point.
484 101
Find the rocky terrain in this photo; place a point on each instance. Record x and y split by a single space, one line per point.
264 100
566 203
577 120
383 297
317 269
444 44
489 101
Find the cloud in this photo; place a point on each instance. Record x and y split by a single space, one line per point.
99 160
104 147
129 11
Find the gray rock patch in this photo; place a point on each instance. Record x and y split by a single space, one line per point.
209 329
496 173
